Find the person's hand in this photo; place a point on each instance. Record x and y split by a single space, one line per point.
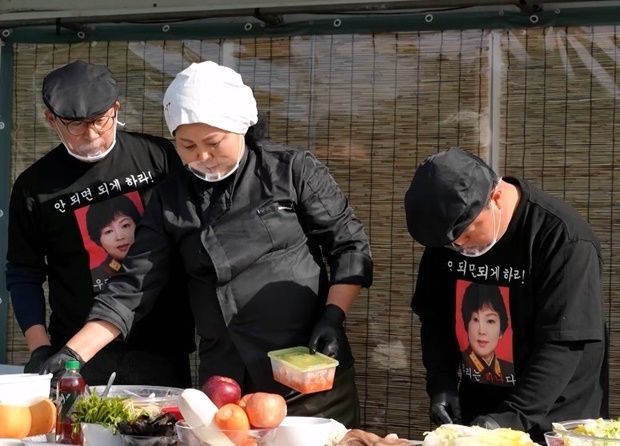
485 421
445 408
38 356
55 364
328 333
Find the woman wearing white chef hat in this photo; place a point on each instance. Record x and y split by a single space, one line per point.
251 224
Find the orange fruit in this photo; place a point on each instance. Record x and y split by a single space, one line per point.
14 421
233 421
43 417
265 410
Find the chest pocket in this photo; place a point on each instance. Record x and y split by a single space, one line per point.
280 220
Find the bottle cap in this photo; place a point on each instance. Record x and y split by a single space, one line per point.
72 364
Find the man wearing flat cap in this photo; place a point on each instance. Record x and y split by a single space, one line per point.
543 256
49 236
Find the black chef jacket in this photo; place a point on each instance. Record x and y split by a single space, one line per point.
253 248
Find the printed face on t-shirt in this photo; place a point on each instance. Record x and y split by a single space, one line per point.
118 236
483 332
482 326
108 231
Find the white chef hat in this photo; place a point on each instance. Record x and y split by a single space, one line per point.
212 94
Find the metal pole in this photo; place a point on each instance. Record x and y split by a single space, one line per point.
495 86
57 11
6 81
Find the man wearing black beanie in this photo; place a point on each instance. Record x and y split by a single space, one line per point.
543 256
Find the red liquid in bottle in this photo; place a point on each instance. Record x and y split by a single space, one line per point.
65 433
70 387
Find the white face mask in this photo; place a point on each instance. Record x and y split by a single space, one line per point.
90 157
197 168
477 251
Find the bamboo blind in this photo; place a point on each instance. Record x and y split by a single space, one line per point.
372 106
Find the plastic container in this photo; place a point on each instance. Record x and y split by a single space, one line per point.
145 396
307 373
553 439
24 389
188 437
565 429
71 386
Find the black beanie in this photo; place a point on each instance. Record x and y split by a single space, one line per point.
448 191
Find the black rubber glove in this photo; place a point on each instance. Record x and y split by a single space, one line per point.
55 364
328 333
446 408
38 356
485 421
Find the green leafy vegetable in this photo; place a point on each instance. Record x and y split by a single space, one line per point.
600 428
108 412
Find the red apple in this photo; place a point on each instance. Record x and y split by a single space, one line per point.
222 390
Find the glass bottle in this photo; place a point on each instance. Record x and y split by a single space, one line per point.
71 386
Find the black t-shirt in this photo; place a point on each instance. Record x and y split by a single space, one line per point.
50 229
545 271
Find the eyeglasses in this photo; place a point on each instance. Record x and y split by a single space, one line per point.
101 124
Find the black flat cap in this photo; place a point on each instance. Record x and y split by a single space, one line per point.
79 90
448 191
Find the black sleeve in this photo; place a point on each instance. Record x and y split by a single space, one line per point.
26 268
568 291
25 242
25 284
435 308
328 220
